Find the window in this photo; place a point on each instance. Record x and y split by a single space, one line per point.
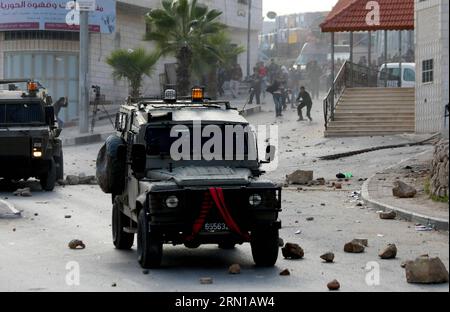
428 71
409 75
21 113
42 35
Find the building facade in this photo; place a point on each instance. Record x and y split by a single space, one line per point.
432 64
52 56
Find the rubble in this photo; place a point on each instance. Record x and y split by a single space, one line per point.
390 252
76 244
285 272
388 215
354 247
292 251
328 257
338 186
234 269
25 192
334 285
310 219
81 179
426 270
300 177
403 190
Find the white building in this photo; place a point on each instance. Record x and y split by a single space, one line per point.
432 62
52 56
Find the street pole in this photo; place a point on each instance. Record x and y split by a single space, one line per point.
249 35
84 71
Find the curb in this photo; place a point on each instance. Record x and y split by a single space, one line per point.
437 223
101 137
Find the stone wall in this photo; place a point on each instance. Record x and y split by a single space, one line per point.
439 170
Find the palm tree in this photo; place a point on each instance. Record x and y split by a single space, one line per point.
132 65
181 28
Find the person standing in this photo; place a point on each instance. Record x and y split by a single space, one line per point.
273 70
262 71
255 89
314 73
62 102
276 89
304 100
236 77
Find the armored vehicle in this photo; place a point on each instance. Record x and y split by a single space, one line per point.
29 144
175 178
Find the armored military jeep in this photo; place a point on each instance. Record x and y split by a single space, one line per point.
29 144
182 171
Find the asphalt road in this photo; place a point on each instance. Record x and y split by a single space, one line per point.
34 255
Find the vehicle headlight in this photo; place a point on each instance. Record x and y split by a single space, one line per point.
172 202
37 150
255 200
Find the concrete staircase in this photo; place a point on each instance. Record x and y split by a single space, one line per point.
373 111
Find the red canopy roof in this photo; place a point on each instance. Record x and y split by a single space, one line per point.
350 15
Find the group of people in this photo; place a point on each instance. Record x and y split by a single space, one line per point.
285 87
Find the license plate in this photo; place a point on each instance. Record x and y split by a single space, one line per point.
215 227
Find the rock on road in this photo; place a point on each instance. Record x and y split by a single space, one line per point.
34 255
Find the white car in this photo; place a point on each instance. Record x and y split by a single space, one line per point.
393 72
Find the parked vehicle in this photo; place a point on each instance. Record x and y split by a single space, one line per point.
392 70
29 143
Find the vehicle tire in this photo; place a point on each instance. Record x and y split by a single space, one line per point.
265 247
227 246
149 246
121 239
48 180
59 160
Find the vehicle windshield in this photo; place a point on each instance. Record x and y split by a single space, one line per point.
214 142
12 113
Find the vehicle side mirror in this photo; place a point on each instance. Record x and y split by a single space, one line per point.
50 116
270 153
138 159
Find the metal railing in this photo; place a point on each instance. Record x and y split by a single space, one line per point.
350 75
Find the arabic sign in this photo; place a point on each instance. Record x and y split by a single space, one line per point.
61 15
86 5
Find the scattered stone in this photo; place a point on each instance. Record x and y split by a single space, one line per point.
72 180
292 251
328 257
354 247
114 285
146 272
235 269
321 181
285 272
36 214
14 229
310 219
391 215
76 244
390 252
67 216
403 190
300 177
426 270
280 242
338 186
206 280
334 285
323 204
25 192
